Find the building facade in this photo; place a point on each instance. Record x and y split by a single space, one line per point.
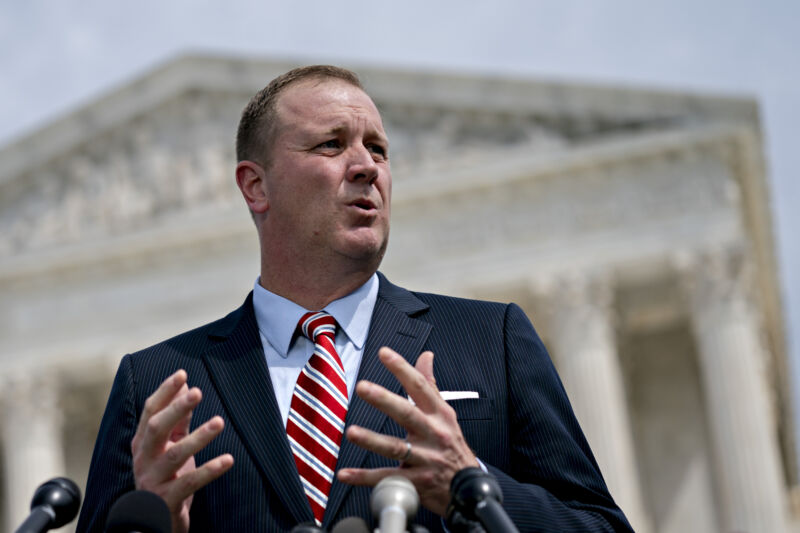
633 226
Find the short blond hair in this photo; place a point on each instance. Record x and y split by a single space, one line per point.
259 121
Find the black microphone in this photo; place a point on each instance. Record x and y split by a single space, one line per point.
141 511
307 527
351 524
55 503
394 502
477 496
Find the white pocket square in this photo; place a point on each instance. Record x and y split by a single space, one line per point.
448 395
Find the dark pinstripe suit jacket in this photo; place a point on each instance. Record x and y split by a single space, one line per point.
522 426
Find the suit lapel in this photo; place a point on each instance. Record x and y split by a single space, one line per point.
237 367
393 325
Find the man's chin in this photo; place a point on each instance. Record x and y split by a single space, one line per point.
369 251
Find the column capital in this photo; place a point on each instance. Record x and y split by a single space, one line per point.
575 287
575 296
717 278
31 396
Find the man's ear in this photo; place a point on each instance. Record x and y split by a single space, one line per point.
250 177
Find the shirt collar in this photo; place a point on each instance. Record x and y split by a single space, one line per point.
277 317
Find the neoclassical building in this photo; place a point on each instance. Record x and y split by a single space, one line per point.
634 227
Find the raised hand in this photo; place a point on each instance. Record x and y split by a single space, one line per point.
163 449
437 447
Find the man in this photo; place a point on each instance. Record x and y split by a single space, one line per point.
253 443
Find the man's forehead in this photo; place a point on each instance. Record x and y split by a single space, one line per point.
313 97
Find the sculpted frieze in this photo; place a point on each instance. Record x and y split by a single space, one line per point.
423 134
647 195
172 159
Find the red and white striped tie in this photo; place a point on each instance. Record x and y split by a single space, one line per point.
317 412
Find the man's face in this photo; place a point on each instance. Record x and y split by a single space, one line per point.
328 179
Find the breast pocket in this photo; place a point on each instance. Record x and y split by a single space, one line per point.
473 408
477 421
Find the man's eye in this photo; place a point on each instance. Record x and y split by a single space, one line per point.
331 144
378 150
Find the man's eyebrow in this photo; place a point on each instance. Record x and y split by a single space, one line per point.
381 136
335 130
372 132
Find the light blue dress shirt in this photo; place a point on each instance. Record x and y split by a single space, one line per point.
277 320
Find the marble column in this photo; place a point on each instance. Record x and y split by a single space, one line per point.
733 363
582 338
32 444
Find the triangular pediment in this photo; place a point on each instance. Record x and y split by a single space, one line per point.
163 144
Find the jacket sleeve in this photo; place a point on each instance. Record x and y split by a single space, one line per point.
555 483
111 468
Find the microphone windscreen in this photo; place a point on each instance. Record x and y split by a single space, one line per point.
62 496
141 511
351 524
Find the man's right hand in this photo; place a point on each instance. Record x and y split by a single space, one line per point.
163 449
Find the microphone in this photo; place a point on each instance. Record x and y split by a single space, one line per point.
456 523
55 503
351 524
393 502
140 511
307 527
477 496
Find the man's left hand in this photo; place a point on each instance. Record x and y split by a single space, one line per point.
438 449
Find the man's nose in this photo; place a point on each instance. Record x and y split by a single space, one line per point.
362 166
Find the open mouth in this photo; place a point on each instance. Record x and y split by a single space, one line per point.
364 204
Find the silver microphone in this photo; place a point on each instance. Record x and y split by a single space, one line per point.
394 502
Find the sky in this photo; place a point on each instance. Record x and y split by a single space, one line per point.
59 54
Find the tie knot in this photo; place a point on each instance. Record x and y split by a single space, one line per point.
315 324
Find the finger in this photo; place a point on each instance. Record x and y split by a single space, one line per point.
385 445
415 383
177 454
161 397
365 477
161 425
188 483
424 366
396 407
181 428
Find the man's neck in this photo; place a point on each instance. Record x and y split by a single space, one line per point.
313 291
